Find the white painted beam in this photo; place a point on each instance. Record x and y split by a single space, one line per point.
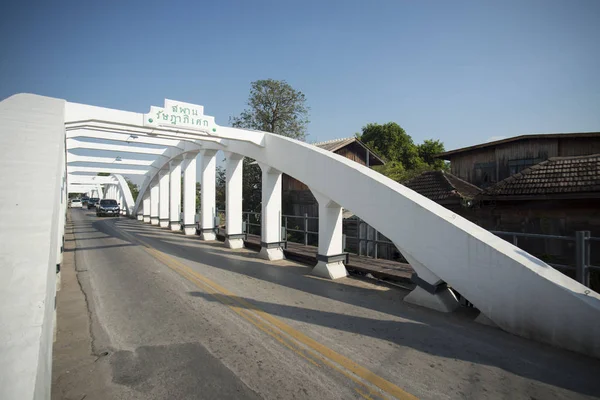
113 161
122 171
79 144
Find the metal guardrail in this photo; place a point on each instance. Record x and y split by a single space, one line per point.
306 232
582 241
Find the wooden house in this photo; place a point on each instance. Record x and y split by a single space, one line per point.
488 163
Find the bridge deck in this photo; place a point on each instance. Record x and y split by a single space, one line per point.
174 317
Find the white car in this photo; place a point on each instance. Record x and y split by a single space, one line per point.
76 203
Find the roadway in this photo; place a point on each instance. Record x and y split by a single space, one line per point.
172 317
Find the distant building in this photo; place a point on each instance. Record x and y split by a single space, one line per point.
542 184
445 189
488 163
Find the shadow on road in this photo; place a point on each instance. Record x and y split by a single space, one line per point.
445 335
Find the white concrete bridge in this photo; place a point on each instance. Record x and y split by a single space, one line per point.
56 147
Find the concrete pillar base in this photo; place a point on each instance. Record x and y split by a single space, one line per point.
484 320
154 220
175 226
443 301
164 223
189 230
331 270
234 243
208 236
147 219
140 217
272 254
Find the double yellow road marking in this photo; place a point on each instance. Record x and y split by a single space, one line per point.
309 349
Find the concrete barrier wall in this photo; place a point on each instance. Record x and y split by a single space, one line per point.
32 137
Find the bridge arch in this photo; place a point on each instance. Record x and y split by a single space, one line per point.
518 292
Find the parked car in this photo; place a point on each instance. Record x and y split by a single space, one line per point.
92 202
84 200
108 207
76 203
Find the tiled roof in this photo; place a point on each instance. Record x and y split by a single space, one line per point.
439 186
559 175
581 135
336 144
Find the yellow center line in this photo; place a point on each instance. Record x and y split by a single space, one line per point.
246 310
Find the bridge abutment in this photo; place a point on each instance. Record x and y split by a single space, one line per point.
189 193
163 198
154 198
271 241
331 256
431 291
175 194
146 207
208 164
233 200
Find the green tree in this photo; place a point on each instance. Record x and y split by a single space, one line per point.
252 186
220 188
392 142
428 149
135 190
275 106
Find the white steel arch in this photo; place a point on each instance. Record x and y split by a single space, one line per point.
515 290
441 246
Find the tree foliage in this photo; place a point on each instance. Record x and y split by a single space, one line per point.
391 141
252 186
428 149
275 106
135 190
405 160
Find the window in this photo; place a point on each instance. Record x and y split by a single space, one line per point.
485 174
515 166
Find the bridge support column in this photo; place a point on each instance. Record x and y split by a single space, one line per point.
270 243
189 194
175 195
431 291
233 196
208 194
154 199
122 203
146 205
331 256
163 199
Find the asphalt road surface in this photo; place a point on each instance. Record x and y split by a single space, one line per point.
172 317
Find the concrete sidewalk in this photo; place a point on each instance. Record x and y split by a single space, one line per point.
77 372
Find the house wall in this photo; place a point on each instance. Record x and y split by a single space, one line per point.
484 167
549 217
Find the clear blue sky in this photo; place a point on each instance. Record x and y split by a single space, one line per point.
460 71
